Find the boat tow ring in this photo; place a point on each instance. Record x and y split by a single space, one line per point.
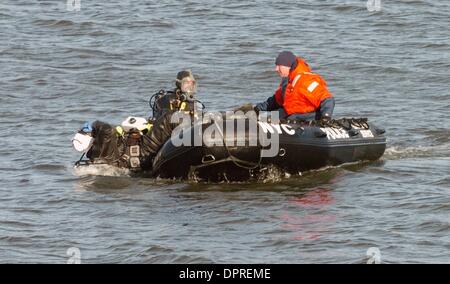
208 159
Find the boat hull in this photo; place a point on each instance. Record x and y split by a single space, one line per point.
299 147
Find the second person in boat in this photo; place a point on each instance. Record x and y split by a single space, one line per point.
302 94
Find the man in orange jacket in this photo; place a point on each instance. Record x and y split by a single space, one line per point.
301 94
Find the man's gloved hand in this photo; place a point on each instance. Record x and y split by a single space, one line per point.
244 108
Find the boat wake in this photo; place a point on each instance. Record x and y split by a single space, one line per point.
399 152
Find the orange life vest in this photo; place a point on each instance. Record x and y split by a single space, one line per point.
304 91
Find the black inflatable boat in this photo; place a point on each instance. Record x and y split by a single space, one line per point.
226 145
235 153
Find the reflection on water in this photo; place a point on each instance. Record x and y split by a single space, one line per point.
310 226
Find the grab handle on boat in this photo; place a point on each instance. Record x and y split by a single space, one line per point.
208 159
353 132
320 134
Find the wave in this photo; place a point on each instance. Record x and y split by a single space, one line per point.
152 23
101 170
54 23
48 167
349 7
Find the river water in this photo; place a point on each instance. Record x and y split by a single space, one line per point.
61 67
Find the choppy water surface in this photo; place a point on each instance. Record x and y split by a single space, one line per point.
60 68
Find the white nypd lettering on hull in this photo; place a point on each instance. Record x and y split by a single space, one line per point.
279 128
334 133
366 133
